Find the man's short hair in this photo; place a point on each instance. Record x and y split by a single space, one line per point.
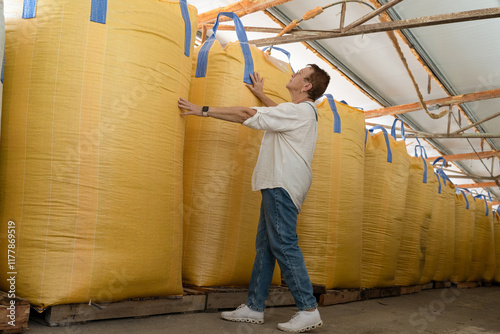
319 80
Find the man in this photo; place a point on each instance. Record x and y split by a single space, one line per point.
283 175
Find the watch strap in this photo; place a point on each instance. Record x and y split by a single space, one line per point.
204 111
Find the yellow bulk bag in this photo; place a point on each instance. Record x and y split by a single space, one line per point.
329 224
497 243
418 214
431 238
464 227
446 248
481 246
386 181
91 150
221 210
491 260
2 56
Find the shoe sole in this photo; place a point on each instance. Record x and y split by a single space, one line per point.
249 320
302 330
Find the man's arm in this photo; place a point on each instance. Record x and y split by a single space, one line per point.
258 90
230 114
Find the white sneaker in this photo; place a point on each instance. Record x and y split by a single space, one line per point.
244 314
302 321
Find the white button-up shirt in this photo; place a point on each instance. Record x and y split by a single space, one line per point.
287 148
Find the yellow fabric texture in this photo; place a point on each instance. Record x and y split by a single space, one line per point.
221 212
464 228
497 245
491 260
2 54
481 246
446 226
385 187
440 239
418 215
329 225
433 235
91 150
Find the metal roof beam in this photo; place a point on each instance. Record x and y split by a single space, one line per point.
447 101
371 15
426 21
477 123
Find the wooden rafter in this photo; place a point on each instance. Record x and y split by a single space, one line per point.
468 156
241 8
472 15
493 178
479 185
447 101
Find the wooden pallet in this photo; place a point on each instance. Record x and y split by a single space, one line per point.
427 286
373 293
20 308
442 285
219 298
405 290
332 297
68 314
465 285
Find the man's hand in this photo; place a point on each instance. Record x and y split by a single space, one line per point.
192 109
258 89
258 84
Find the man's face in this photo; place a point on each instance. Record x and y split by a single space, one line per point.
297 82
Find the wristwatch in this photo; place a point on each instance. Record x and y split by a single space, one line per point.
204 111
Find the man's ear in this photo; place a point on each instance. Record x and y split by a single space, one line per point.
307 87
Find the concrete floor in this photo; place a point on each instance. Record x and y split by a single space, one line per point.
449 310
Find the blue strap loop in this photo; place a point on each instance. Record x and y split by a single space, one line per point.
98 11
439 180
420 144
439 159
29 9
285 52
187 27
440 171
485 202
462 191
393 129
489 195
201 66
337 126
444 176
386 136
422 153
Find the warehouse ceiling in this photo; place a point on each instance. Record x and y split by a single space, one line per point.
450 47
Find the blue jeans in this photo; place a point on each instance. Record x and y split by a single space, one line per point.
277 240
